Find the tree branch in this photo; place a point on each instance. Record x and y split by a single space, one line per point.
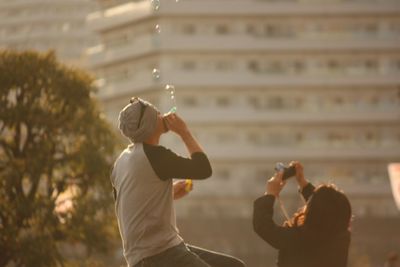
7 148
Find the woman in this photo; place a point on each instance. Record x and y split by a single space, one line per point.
317 236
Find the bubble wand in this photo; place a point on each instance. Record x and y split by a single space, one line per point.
171 89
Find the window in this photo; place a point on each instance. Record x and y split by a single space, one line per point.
299 138
338 101
371 28
277 139
336 138
370 136
223 101
189 29
223 65
223 174
254 138
253 66
371 65
374 100
251 29
395 27
395 65
333 65
298 102
275 102
274 67
189 101
271 30
298 66
225 137
255 102
188 65
222 29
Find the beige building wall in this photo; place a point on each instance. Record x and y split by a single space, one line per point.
265 81
44 25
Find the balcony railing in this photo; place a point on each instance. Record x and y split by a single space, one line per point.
133 12
164 43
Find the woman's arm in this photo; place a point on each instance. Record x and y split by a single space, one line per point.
305 187
277 236
263 223
307 191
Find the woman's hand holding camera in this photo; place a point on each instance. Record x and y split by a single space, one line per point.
275 184
301 180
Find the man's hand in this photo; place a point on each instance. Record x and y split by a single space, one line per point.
180 189
176 124
301 180
275 185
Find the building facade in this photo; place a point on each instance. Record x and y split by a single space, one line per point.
262 81
44 25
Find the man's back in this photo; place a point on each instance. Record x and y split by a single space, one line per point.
144 206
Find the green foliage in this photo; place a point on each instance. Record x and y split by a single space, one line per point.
53 141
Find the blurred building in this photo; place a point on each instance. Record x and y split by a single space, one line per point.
47 24
261 81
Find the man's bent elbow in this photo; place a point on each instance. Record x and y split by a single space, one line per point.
204 173
207 172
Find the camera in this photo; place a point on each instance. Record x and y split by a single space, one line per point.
288 172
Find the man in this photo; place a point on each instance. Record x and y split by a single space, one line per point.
144 191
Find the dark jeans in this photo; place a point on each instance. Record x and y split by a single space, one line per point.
189 256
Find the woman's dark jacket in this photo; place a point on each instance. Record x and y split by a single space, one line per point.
297 247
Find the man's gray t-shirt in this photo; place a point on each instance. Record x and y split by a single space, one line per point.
142 181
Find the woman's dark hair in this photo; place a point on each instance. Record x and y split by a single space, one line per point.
328 212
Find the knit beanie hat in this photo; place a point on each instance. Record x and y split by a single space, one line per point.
138 120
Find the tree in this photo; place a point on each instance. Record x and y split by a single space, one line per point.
55 151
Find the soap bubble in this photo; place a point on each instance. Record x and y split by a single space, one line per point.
155 4
156 74
158 28
170 87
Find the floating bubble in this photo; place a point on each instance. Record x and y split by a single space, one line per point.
156 74
158 28
155 4
170 87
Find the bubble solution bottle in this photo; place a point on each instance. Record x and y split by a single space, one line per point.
189 185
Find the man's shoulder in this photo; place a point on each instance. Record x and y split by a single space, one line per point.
159 149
